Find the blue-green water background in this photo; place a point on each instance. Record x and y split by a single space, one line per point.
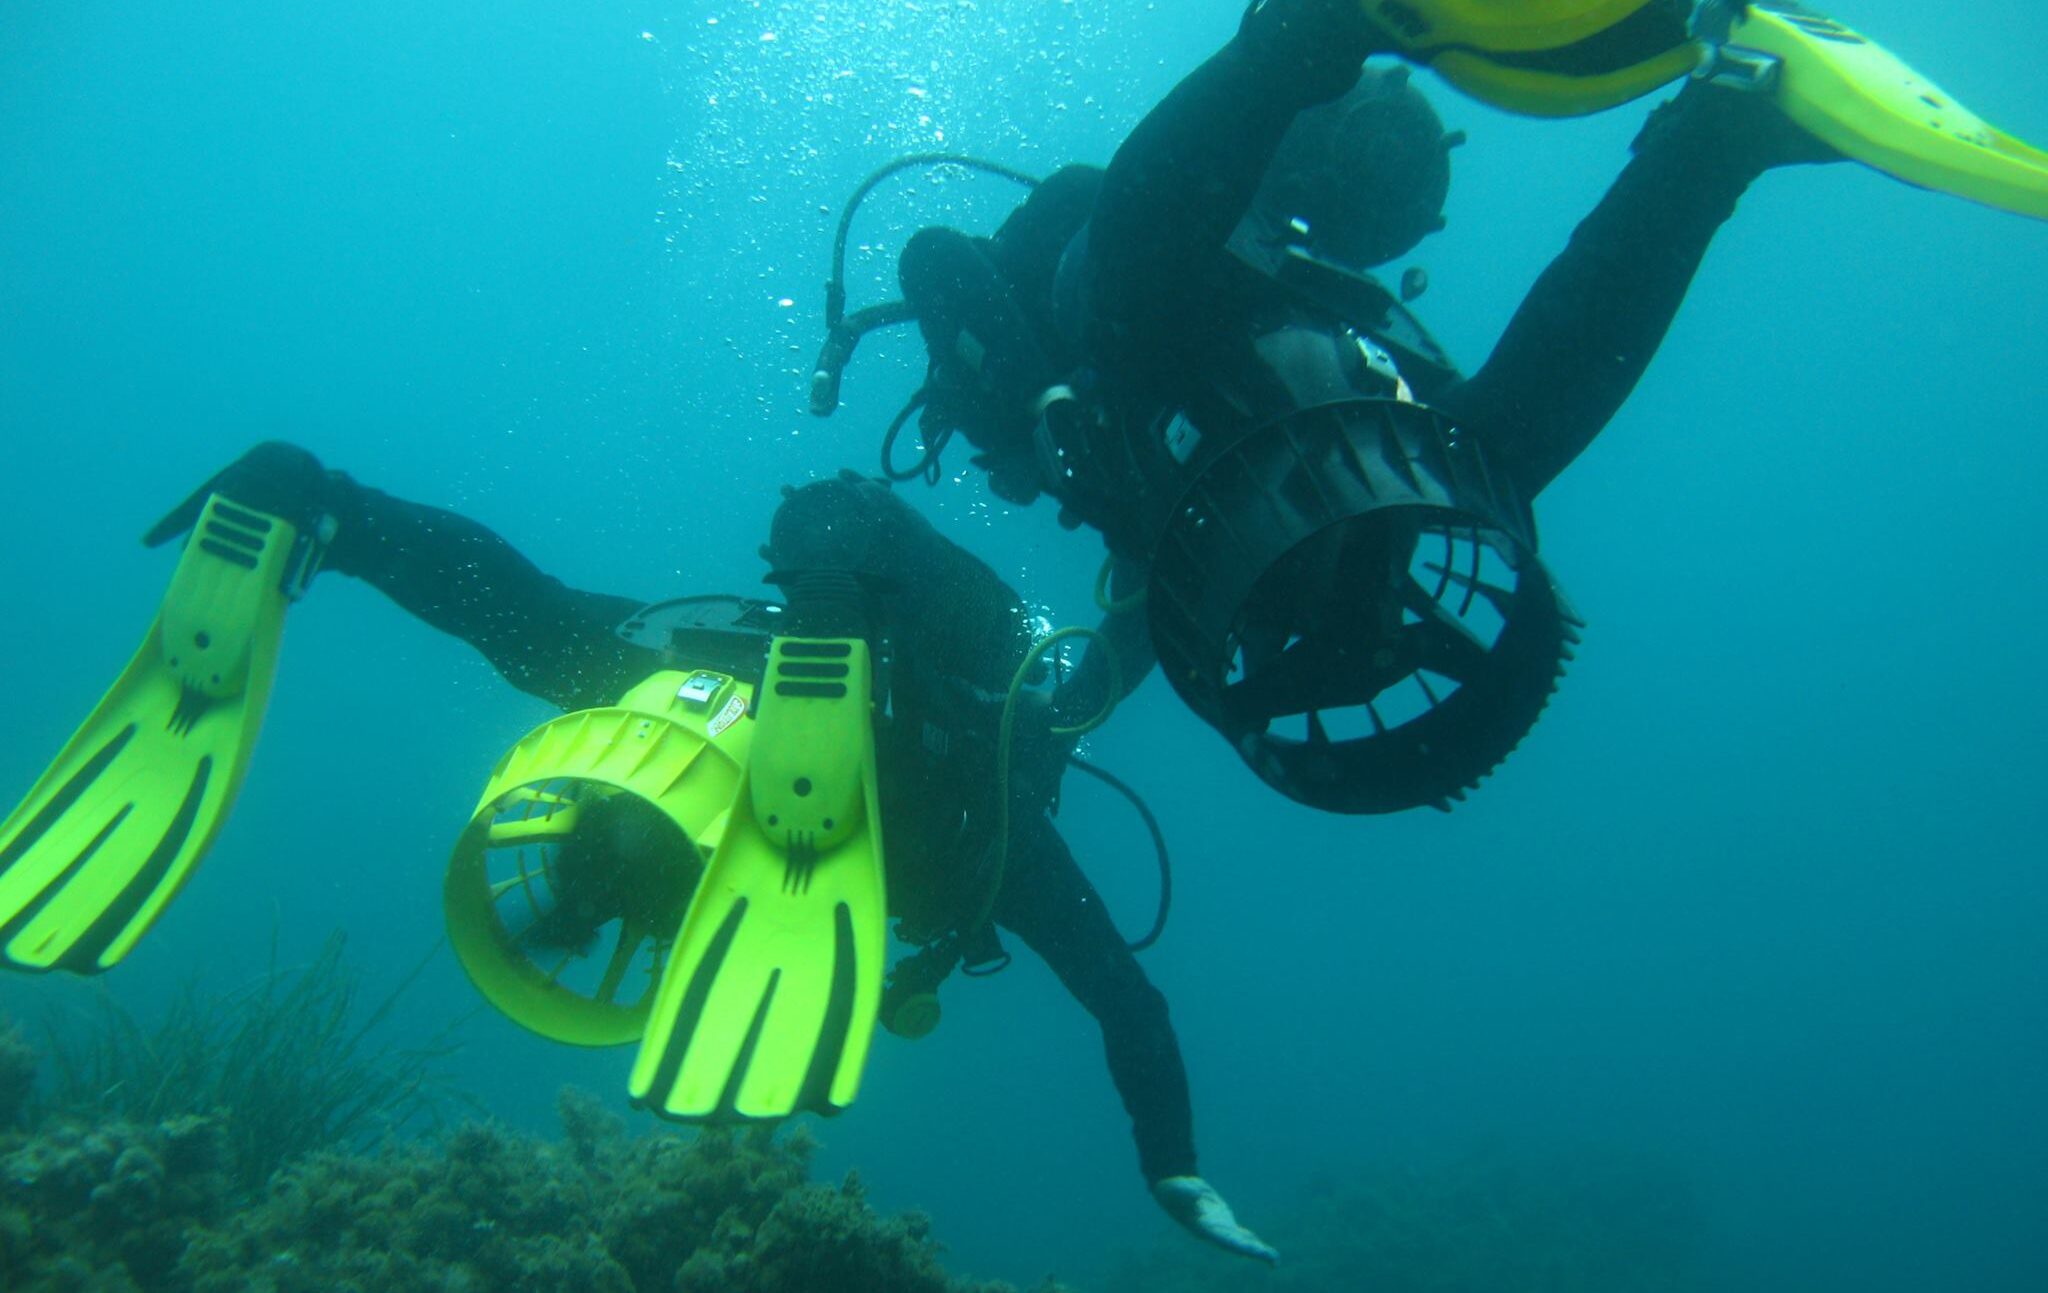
1763 892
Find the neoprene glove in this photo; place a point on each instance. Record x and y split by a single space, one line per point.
275 477
1194 1203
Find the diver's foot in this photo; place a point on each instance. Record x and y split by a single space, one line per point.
1743 126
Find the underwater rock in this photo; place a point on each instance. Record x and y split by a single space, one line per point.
227 1149
600 1211
486 1210
125 1208
106 1207
816 1237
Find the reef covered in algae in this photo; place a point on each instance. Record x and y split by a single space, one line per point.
106 1204
267 1141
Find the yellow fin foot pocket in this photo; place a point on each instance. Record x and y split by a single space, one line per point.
768 1002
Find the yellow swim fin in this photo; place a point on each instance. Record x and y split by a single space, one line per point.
1853 94
1544 58
115 826
1566 58
768 999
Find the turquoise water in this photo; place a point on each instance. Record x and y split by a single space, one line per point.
1762 894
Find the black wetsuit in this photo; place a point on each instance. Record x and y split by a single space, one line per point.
1159 303
957 633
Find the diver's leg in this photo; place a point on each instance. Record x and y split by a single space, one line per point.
1589 327
1048 903
1186 175
456 575
446 570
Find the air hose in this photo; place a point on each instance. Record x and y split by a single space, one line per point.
1144 810
910 1004
843 331
1108 604
1006 739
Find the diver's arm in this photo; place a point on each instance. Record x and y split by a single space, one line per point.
1119 657
1587 330
1186 175
547 639
1048 902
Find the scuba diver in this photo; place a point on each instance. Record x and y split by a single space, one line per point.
709 810
1329 524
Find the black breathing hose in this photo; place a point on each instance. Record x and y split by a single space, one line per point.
843 331
1158 847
